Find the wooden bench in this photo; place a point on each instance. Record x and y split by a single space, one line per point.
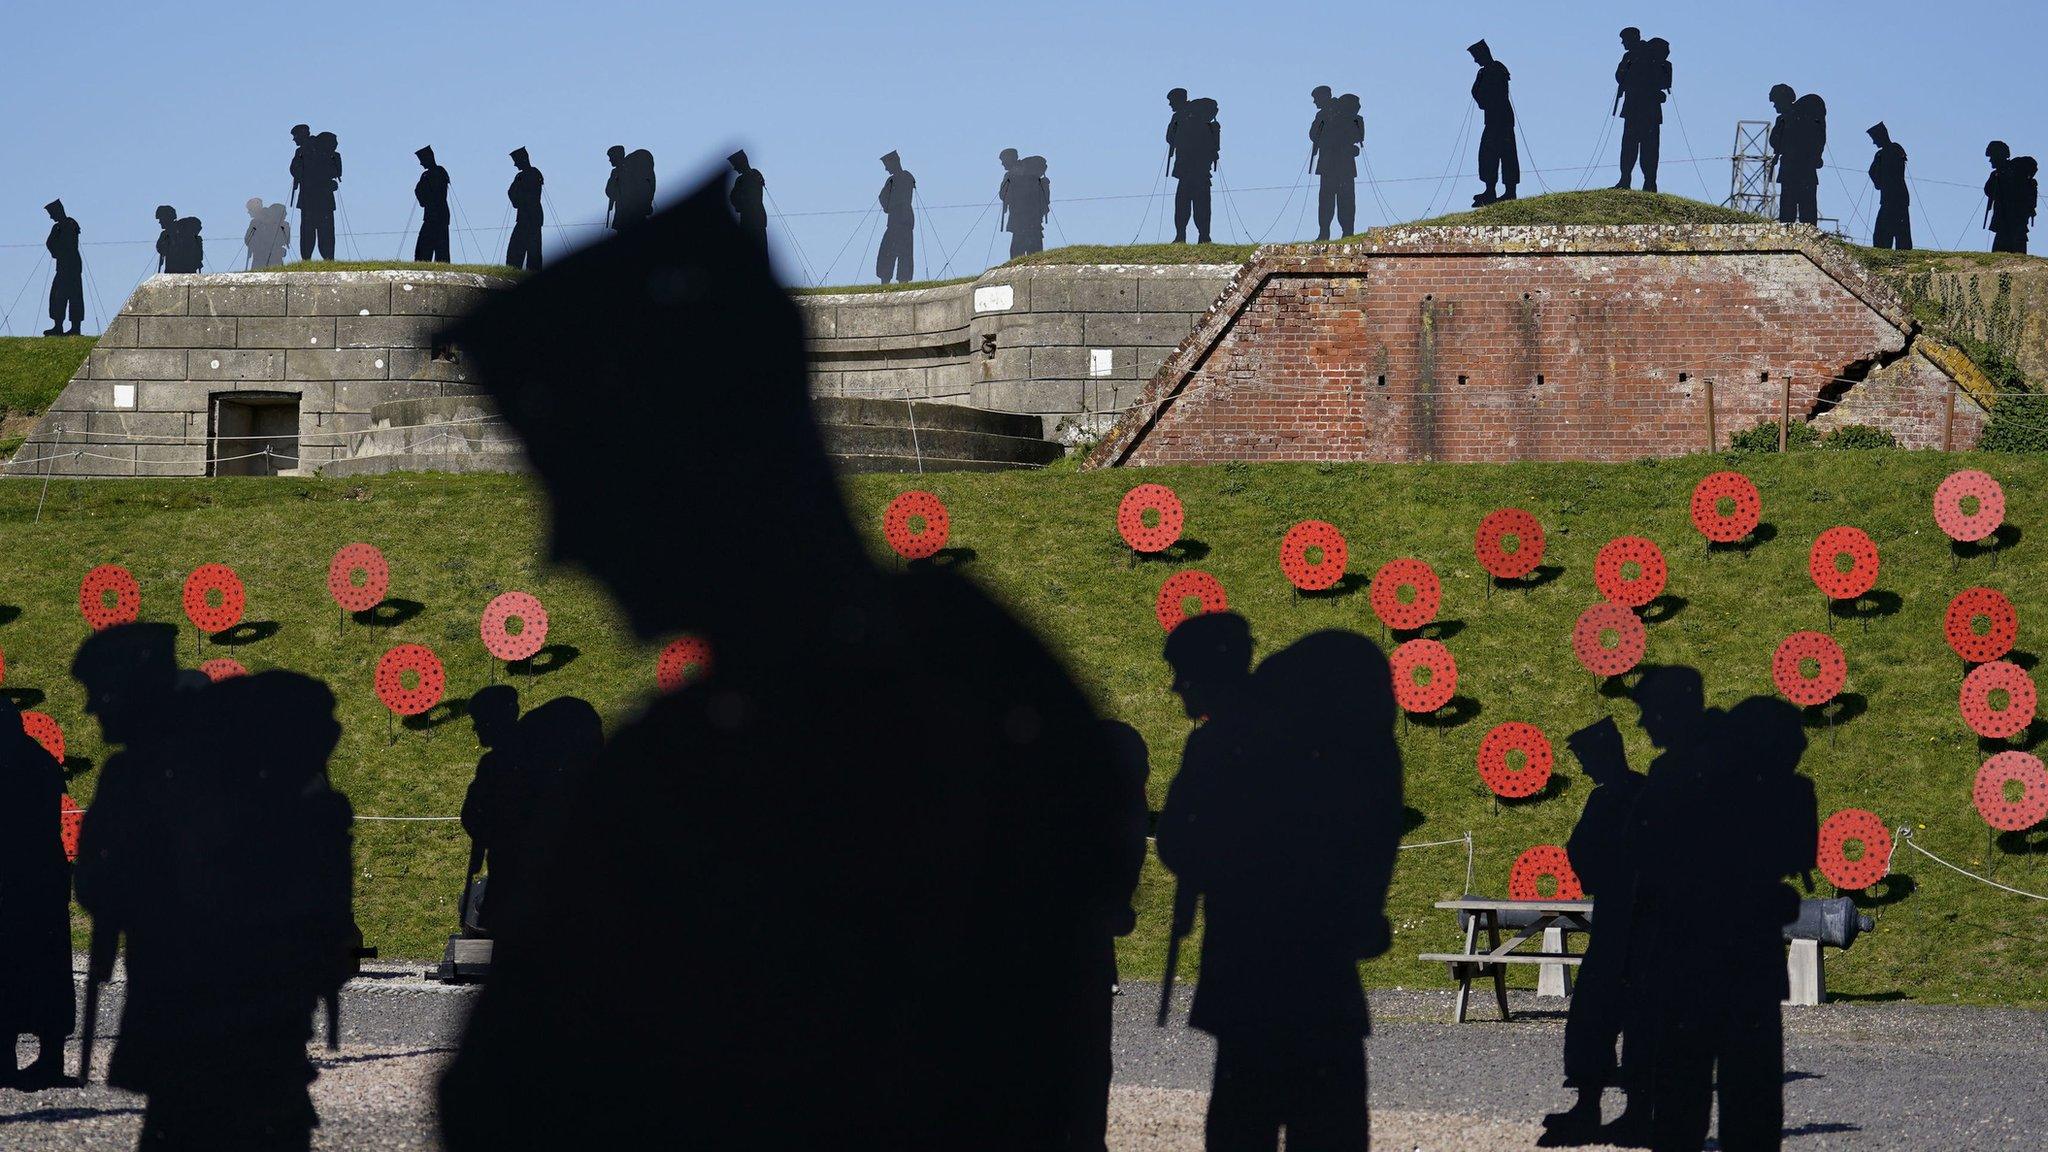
1548 920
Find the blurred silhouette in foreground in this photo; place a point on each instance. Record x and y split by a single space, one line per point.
268 235
1284 822
1335 137
1894 227
179 247
749 197
36 996
1799 143
861 874
523 250
1500 161
1642 82
1026 197
1599 856
1194 150
895 258
67 288
494 717
431 191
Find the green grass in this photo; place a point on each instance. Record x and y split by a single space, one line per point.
1046 545
500 271
851 289
1601 206
34 369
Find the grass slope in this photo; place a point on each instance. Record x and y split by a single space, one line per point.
1045 544
33 369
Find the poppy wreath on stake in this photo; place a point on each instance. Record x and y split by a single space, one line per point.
496 626
1790 664
1825 563
1998 700
2002 772
685 661
1181 587
351 561
1323 569
1425 676
44 729
1858 827
1726 507
222 668
1406 594
213 598
1509 544
1630 571
1499 751
410 679
1150 518
1609 639
916 525
108 596
1538 862
70 822
2001 625
1969 506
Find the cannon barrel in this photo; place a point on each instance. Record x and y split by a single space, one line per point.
1834 922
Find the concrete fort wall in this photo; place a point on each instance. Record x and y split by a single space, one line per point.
1071 344
149 399
1561 343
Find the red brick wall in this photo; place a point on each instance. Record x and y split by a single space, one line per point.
1471 355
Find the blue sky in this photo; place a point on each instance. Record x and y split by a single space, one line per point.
190 105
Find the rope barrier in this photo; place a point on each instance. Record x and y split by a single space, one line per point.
1905 837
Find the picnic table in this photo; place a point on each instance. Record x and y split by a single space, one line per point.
1547 921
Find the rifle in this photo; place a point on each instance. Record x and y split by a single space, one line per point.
1183 923
99 967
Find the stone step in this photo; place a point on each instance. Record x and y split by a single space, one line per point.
493 461
852 410
937 443
876 463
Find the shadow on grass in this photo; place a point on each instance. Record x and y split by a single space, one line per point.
447 711
390 614
1556 786
1842 709
1461 710
1867 998
247 632
1896 887
2032 842
1440 631
1663 608
1346 584
23 697
1875 604
552 658
1411 819
75 766
945 558
1182 551
2008 534
9 613
1763 533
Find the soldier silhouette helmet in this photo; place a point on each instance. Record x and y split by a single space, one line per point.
426 156
519 157
165 214
1879 134
1998 151
739 161
55 208
1481 53
302 132
1783 97
892 161
616 153
1320 94
1176 97
1631 36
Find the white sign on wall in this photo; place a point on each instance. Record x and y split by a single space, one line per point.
124 395
994 298
1101 361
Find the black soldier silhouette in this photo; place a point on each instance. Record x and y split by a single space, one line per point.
1026 198
1999 153
67 289
1335 137
523 250
494 718
1894 227
1194 150
316 177
1598 853
895 258
2019 196
1500 161
1799 141
179 247
431 191
1284 820
268 235
629 189
748 197
36 995
1642 82
860 939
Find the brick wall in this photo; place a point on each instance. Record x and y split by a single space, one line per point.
1547 344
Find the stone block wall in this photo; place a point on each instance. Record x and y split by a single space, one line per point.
1538 343
337 343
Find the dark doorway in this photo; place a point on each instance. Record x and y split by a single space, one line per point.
254 434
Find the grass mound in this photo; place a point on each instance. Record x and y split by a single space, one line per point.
34 369
500 271
1045 544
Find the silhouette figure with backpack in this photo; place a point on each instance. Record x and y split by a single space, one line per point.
859 938
316 178
1642 83
1799 141
2019 196
1500 161
1284 822
179 247
1335 138
629 190
268 235
1194 151
1026 198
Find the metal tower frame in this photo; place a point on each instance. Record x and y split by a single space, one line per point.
1752 183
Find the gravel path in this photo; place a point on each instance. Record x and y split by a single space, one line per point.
1889 1076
